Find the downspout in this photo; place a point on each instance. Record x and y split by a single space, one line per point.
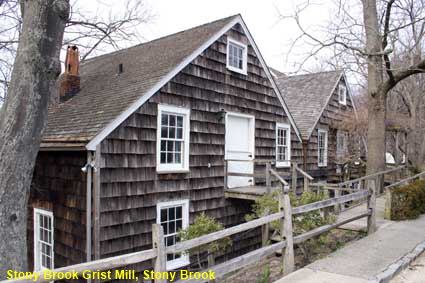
88 206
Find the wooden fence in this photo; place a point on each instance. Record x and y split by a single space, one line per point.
285 245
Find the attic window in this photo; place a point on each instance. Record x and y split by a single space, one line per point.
120 69
237 54
342 94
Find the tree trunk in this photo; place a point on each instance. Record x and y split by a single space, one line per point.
22 120
376 98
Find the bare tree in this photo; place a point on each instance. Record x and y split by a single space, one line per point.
22 120
366 33
103 28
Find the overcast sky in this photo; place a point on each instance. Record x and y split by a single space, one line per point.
273 36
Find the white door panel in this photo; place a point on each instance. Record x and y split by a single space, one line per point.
239 146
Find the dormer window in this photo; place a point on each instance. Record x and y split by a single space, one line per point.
342 94
237 56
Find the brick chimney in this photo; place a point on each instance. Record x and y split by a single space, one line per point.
70 80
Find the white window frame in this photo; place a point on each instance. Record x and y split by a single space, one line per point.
341 152
342 99
37 254
325 157
244 56
184 259
182 167
287 127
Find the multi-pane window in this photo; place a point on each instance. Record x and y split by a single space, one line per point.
173 138
342 94
236 56
173 216
43 240
322 147
341 143
283 144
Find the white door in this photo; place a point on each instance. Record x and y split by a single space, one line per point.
240 138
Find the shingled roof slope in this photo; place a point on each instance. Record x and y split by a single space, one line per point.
104 94
306 96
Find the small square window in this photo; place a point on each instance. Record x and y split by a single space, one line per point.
237 56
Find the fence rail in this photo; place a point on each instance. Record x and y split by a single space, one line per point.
286 243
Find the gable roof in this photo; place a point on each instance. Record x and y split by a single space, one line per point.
97 110
307 96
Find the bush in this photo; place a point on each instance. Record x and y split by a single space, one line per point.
269 204
204 225
408 202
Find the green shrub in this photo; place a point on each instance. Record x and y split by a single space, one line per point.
269 204
204 225
408 202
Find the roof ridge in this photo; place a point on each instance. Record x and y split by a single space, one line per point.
311 74
157 39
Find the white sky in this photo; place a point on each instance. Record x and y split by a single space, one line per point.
273 36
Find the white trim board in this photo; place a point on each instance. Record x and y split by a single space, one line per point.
139 102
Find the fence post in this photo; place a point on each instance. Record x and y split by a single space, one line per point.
388 204
286 231
211 262
306 185
268 179
161 255
294 177
337 193
371 205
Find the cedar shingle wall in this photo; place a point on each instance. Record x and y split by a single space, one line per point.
332 114
59 185
130 186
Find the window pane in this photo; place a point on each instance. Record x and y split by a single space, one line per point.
179 121
177 157
164 132
172 120
171 213
172 227
163 145
179 133
178 212
163 157
163 215
170 158
170 145
172 133
164 119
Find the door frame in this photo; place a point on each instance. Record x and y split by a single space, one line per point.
251 131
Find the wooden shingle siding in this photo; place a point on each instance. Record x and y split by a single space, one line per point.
59 186
130 185
332 114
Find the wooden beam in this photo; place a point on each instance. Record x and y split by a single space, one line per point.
183 246
280 179
102 264
96 202
236 263
286 231
294 177
371 205
322 229
329 202
161 255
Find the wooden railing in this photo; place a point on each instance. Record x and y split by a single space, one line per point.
286 244
269 172
348 186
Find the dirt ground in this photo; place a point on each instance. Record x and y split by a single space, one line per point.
415 273
256 273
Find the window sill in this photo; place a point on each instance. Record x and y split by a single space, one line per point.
236 70
283 164
322 166
172 171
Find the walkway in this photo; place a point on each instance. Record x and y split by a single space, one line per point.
362 261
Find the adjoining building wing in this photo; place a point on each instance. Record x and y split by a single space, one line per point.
307 96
